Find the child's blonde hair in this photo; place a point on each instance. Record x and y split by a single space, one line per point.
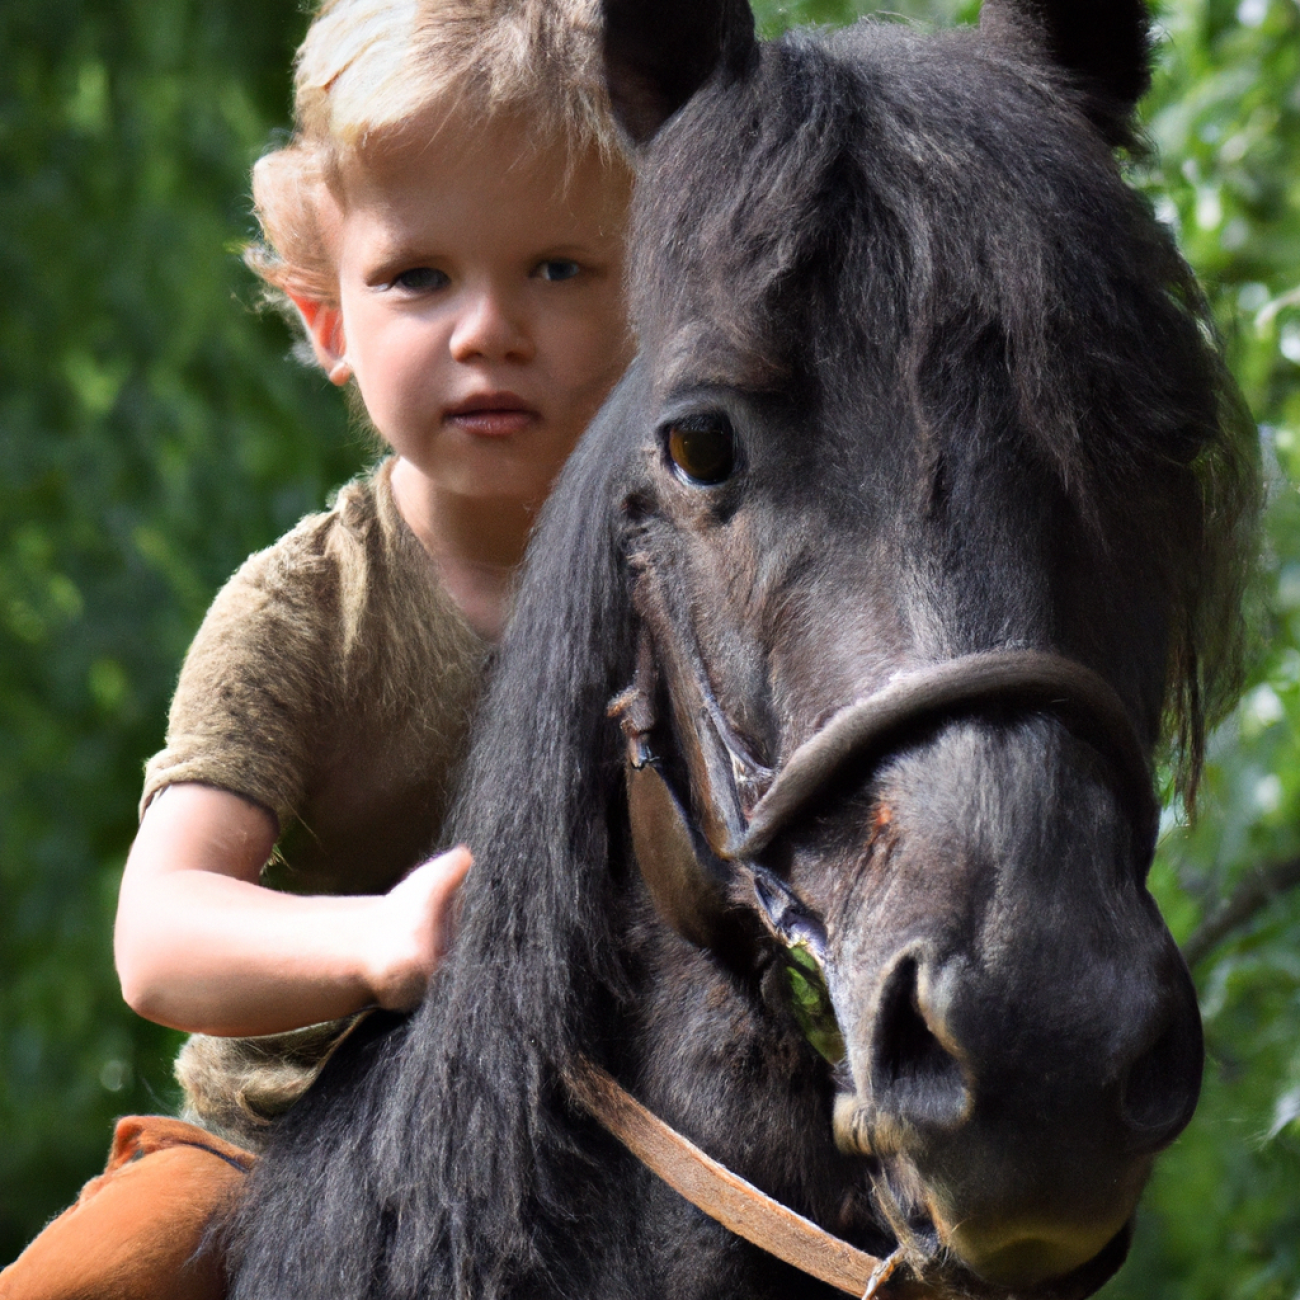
368 67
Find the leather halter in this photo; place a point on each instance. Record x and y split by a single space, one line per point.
686 869
691 856
1028 679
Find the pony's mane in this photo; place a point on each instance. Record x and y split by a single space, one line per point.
896 195
528 985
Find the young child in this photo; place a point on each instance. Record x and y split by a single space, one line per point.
448 224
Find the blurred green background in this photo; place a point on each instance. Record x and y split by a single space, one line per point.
154 430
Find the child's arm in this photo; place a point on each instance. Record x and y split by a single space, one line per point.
201 946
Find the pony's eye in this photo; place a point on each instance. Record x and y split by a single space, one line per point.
703 448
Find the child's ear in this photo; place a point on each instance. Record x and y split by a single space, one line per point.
324 322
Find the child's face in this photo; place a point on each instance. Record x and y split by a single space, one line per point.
480 303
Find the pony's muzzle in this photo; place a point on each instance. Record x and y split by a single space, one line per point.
1028 1173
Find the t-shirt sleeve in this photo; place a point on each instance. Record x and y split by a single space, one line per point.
246 713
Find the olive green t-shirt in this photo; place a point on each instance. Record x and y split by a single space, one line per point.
332 682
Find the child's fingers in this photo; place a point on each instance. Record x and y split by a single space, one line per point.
415 928
437 878
437 882
452 866
448 871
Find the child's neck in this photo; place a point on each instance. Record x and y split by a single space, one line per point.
477 543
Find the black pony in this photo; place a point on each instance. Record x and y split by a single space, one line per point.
915 530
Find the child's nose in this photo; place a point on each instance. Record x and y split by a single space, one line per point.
487 329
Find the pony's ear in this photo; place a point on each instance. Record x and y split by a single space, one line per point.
1105 44
658 53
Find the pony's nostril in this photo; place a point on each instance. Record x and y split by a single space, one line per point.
913 1074
1159 1092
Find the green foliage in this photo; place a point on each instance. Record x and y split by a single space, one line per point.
1222 1219
153 432
777 16
811 1001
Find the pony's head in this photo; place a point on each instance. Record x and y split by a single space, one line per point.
925 395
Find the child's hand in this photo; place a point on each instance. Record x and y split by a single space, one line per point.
413 927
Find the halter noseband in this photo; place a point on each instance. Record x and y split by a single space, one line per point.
875 724
1027 679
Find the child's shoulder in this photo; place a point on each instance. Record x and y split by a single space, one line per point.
360 513
342 583
337 620
292 606
354 542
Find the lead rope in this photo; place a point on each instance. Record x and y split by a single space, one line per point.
736 1204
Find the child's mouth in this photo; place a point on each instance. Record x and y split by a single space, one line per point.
492 415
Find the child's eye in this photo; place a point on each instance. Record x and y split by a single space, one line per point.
421 279
558 268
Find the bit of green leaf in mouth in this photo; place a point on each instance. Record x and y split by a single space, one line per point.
811 1001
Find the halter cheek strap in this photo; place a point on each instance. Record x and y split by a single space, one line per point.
688 882
674 860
